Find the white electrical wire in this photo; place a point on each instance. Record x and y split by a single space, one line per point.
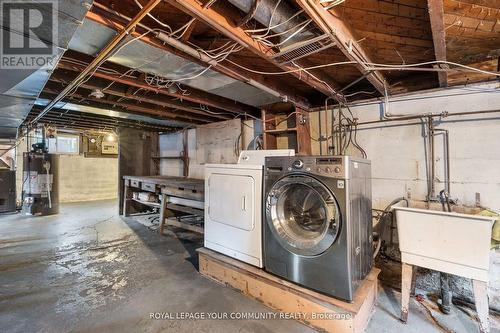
335 3
272 17
276 25
154 18
394 67
333 91
283 32
217 58
291 36
184 29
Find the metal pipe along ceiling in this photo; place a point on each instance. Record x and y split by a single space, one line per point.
264 12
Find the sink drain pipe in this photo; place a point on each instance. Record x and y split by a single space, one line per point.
446 293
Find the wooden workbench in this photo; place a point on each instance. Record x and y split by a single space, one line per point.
176 194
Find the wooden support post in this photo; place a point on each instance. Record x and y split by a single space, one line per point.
302 121
406 277
163 210
481 300
126 199
185 154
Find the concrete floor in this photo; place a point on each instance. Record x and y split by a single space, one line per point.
88 270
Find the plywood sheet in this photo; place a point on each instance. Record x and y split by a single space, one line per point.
218 142
289 298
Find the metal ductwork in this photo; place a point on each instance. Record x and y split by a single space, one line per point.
262 11
19 88
283 18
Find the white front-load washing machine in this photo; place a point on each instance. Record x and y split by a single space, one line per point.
233 206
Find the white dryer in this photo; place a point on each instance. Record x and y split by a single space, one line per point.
233 206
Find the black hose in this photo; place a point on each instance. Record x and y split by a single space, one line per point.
386 211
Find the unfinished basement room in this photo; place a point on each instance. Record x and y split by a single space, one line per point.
250 166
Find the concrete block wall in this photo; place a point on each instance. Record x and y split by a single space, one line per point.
80 178
87 179
397 149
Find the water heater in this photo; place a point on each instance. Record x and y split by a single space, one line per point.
40 184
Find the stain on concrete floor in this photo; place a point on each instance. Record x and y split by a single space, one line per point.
89 270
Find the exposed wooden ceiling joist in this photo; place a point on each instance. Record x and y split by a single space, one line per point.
180 46
129 94
330 23
69 117
436 15
221 22
127 106
195 95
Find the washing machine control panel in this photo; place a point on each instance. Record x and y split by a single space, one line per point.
297 164
331 166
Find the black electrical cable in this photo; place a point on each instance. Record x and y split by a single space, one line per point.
383 228
356 144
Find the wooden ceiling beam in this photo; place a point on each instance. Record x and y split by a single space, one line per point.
436 16
330 23
195 97
129 94
128 107
180 47
95 119
221 22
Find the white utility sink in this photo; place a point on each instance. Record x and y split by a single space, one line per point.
452 243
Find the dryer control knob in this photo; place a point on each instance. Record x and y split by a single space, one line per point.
336 170
328 170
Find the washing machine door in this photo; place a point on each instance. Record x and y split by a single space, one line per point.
303 215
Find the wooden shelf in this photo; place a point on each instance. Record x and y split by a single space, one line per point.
296 133
281 131
167 157
148 203
186 209
184 157
184 225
